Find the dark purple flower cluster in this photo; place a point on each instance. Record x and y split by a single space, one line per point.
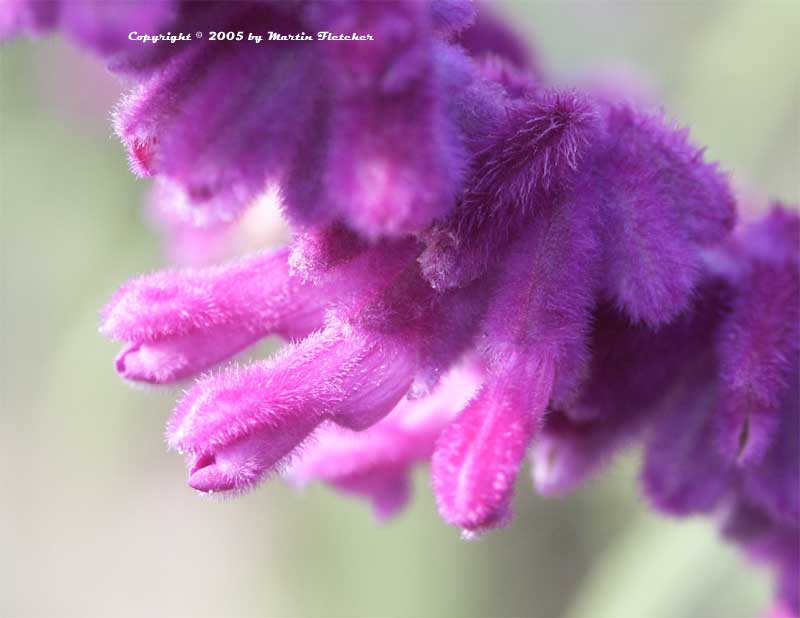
482 267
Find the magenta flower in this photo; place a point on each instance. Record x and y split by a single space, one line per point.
177 324
239 425
376 462
451 208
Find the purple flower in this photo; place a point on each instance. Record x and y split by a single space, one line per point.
219 152
240 424
478 455
760 340
450 207
340 126
376 462
177 324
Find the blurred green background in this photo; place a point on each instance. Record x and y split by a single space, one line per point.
96 516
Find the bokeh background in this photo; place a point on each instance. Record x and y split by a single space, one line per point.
96 518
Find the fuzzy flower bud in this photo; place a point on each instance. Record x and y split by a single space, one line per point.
178 323
239 425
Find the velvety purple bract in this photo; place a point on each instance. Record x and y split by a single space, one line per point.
681 474
219 152
660 205
760 341
525 163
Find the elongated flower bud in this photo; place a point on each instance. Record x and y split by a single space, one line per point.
239 425
535 328
478 455
178 323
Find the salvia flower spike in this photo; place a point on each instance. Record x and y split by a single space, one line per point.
453 214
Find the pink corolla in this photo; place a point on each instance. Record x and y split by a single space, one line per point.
238 426
377 462
450 206
177 324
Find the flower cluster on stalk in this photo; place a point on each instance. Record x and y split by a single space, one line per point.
482 267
